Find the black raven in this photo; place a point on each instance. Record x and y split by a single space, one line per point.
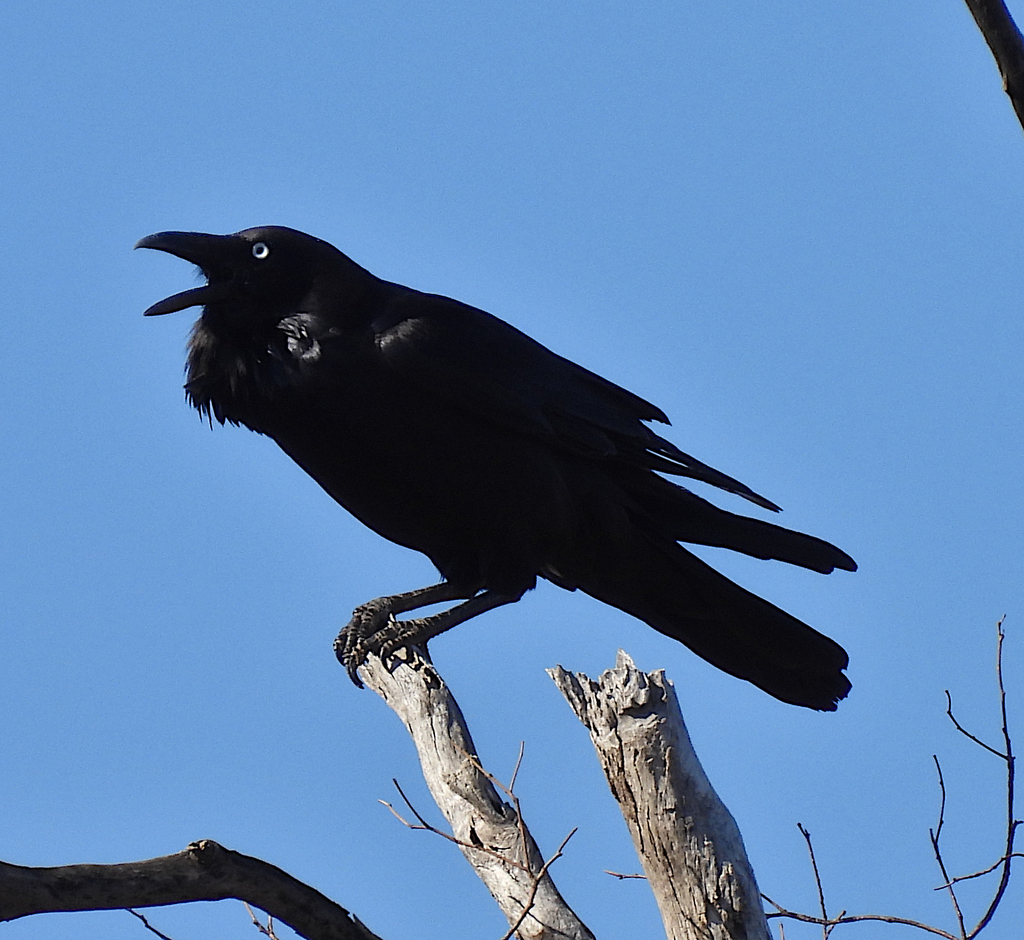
447 430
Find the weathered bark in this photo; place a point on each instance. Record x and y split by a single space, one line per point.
1006 44
688 842
489 831
205 871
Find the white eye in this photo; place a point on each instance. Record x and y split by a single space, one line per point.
260 251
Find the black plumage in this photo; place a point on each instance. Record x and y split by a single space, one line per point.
447 430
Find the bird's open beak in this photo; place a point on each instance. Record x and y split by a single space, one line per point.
205 251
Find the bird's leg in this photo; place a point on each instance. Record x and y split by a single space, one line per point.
353 645
368 619
398 633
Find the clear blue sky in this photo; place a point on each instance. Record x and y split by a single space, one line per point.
796 228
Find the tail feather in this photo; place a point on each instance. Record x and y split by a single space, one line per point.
619 556
623 550
679 595
685 517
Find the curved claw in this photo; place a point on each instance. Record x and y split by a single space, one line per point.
350 662
351 669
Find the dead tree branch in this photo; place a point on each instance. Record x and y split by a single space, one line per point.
833 922
153 930
935 834
827 923
687 841
1007 756
489 831
1007 46
1003 864
205 871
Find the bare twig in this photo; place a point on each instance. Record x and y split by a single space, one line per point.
780 911
1011 822
524 836
267 931
1003 864
826 930
503 857
967 734
148 925
977 874
425 826
536 884
935 834
942 799
622 877
394 812
519 763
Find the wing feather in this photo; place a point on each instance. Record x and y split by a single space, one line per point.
482 364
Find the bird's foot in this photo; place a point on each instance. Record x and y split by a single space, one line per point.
352 645
374 629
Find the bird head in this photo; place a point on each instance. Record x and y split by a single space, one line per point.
271 294
253 278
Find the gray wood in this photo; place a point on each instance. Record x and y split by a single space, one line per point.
489 831
688 842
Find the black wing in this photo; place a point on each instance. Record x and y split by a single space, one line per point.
484 365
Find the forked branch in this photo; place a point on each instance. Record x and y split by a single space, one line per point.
1002 864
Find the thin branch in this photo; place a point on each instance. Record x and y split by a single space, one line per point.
780 911
942 800
826 930
148 925
503 857
934 835
519 763
394 812
524 836
536 884
267 931
425 826
423 823
977 874
966 733
622 877
1011 822
1004 862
